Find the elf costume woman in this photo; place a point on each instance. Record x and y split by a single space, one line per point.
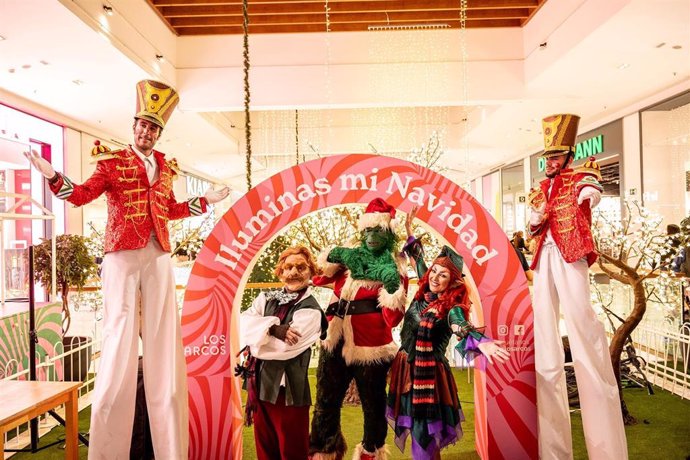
422 398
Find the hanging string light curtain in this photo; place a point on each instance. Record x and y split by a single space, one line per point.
247 95
296 137
329 99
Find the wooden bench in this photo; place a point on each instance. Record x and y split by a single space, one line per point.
21 401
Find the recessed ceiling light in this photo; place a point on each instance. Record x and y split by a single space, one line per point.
1 38
108 10
676 47
26 66
160 58
625 65
660 44
78 82
44 62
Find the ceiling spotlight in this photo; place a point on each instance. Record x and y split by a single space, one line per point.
160 58
625 65
108 10
1 38
78 82
676 47
542 46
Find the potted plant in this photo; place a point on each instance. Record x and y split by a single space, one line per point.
74 267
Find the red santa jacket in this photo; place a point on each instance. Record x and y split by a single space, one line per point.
366 337
135 207
569 222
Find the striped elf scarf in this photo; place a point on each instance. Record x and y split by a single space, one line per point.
424 380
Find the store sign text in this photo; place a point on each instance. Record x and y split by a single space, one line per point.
196 186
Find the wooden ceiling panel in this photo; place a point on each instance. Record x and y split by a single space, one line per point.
223 17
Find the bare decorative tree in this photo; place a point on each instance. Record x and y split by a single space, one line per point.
329 227
429 154
630 252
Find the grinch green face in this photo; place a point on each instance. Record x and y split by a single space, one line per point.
377 239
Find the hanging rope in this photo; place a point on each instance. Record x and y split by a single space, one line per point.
465 89
247 94
296 137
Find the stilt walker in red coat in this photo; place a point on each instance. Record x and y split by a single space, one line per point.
560 221
137 273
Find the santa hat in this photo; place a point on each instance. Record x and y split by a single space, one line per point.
378 214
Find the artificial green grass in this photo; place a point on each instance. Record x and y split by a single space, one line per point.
351 423
663 431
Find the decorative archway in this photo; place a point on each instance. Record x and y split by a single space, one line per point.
505 395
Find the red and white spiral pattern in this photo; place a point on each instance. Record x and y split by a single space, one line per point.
505 396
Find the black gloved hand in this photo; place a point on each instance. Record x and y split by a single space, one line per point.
279 331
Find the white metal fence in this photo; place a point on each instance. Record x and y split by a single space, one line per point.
667 354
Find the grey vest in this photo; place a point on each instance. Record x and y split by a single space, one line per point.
296 369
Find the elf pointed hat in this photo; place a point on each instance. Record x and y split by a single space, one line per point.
560 132
155 102
378 214
455 258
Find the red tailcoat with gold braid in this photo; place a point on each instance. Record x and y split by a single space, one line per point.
135 207
569 222
366 337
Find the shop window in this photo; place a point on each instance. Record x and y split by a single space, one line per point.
666 158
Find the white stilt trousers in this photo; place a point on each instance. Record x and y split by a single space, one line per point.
558 283
127 275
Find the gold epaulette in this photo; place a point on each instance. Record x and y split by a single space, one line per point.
590 167
105 156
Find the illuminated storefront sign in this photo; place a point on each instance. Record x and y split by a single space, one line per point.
585 149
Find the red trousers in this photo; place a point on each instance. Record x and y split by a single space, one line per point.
281 432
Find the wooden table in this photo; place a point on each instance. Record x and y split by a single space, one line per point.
21 401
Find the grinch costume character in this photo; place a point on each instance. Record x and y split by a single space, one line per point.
560 221
137 276
423 398
370 284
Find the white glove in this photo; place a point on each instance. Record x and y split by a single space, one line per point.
591 194
537 216
214 196
40 163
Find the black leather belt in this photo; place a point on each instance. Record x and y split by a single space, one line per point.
343 308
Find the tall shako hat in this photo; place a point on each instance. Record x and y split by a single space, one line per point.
155 102
560 132
378 214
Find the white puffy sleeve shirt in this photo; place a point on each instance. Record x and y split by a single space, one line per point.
254 330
